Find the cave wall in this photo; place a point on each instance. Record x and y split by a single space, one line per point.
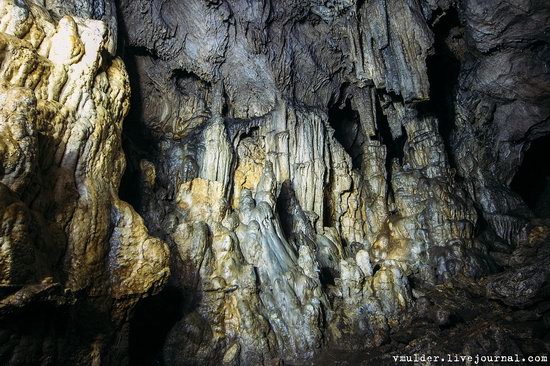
306 160
74 258
293 169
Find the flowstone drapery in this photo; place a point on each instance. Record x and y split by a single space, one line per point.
291 176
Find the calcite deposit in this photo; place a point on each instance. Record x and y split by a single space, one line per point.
74 258
313 158
272 182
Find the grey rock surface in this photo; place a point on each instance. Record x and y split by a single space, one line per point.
339 150
304 180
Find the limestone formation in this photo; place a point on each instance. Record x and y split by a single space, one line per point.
261 182
68 243
306 137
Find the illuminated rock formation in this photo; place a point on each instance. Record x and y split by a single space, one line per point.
306 169
68 244
300 175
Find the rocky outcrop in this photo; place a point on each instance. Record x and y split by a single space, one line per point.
300 176
74 258
493 316
306 161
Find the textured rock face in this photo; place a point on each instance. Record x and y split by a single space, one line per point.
306 160
301 174
74 258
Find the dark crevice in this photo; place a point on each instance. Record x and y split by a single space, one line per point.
327 276
532 181
400 145
443 72
395 148
284 205
338 98
226 108
348 131
154 316
188 83
452 321
137 140
329 219
181 75
251 132
152 320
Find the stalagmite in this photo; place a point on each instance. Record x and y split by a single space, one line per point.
261 182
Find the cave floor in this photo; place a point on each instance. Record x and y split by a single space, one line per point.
507 313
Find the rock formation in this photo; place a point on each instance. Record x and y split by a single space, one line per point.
299 176
74 258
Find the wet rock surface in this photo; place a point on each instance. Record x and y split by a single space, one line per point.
469 317
238 182
74 258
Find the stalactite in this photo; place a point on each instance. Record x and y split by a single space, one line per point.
263 182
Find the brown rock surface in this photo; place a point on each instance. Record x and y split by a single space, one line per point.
72 254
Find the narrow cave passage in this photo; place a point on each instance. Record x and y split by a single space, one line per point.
152 320
136 138
155 315
348 132
443 72
532 181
